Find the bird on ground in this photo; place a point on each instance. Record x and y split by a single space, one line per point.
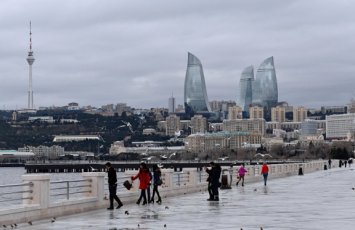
12 226
15 225
164 225
29 222
261 228
4 226
138 225
53 220
166 207
126 212
255 189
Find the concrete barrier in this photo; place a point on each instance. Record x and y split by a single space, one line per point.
37 191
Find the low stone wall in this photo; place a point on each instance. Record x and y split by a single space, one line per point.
174 183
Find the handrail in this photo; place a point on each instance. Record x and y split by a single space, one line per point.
16 185
68 187
64 181
23 198
70 193
14 192
9 192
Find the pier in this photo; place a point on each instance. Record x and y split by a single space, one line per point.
183 194
316 201
80 166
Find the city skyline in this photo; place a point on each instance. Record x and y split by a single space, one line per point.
98 53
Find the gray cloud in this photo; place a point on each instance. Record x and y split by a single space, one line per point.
100 52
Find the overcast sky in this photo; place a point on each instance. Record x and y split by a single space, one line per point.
103 52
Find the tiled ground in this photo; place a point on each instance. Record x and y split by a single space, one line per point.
320 200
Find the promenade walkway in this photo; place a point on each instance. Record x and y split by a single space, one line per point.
320 200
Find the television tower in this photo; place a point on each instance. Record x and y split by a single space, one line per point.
30 59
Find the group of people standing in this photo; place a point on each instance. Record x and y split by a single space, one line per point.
145 179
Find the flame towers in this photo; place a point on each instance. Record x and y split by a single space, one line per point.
246 89
195 94
265 91
260 91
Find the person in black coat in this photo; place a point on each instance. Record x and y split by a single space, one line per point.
157 182
112 186
214 175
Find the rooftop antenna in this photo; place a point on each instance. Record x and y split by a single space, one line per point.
30 36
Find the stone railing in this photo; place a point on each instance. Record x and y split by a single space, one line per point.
37 202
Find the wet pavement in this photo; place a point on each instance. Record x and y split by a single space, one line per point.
320 200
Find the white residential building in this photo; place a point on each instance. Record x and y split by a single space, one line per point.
339 126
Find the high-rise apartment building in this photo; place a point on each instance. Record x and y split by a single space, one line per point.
122 107
299 114
198 124
172 125
235 112
195 95
278 114
221 106
204 142
245 125
107 108
265 92
256 112
172 104
245 88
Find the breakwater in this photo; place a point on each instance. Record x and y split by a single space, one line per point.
75 166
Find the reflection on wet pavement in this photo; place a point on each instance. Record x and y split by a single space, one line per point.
320 200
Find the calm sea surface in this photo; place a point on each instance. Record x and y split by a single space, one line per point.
12 175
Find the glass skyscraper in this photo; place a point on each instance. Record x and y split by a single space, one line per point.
265 91
195 95
245 88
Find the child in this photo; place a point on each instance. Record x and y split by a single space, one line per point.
241 174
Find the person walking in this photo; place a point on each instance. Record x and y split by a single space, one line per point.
112 186
214 175
265 172
144 181
241 174
329 163
157 182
